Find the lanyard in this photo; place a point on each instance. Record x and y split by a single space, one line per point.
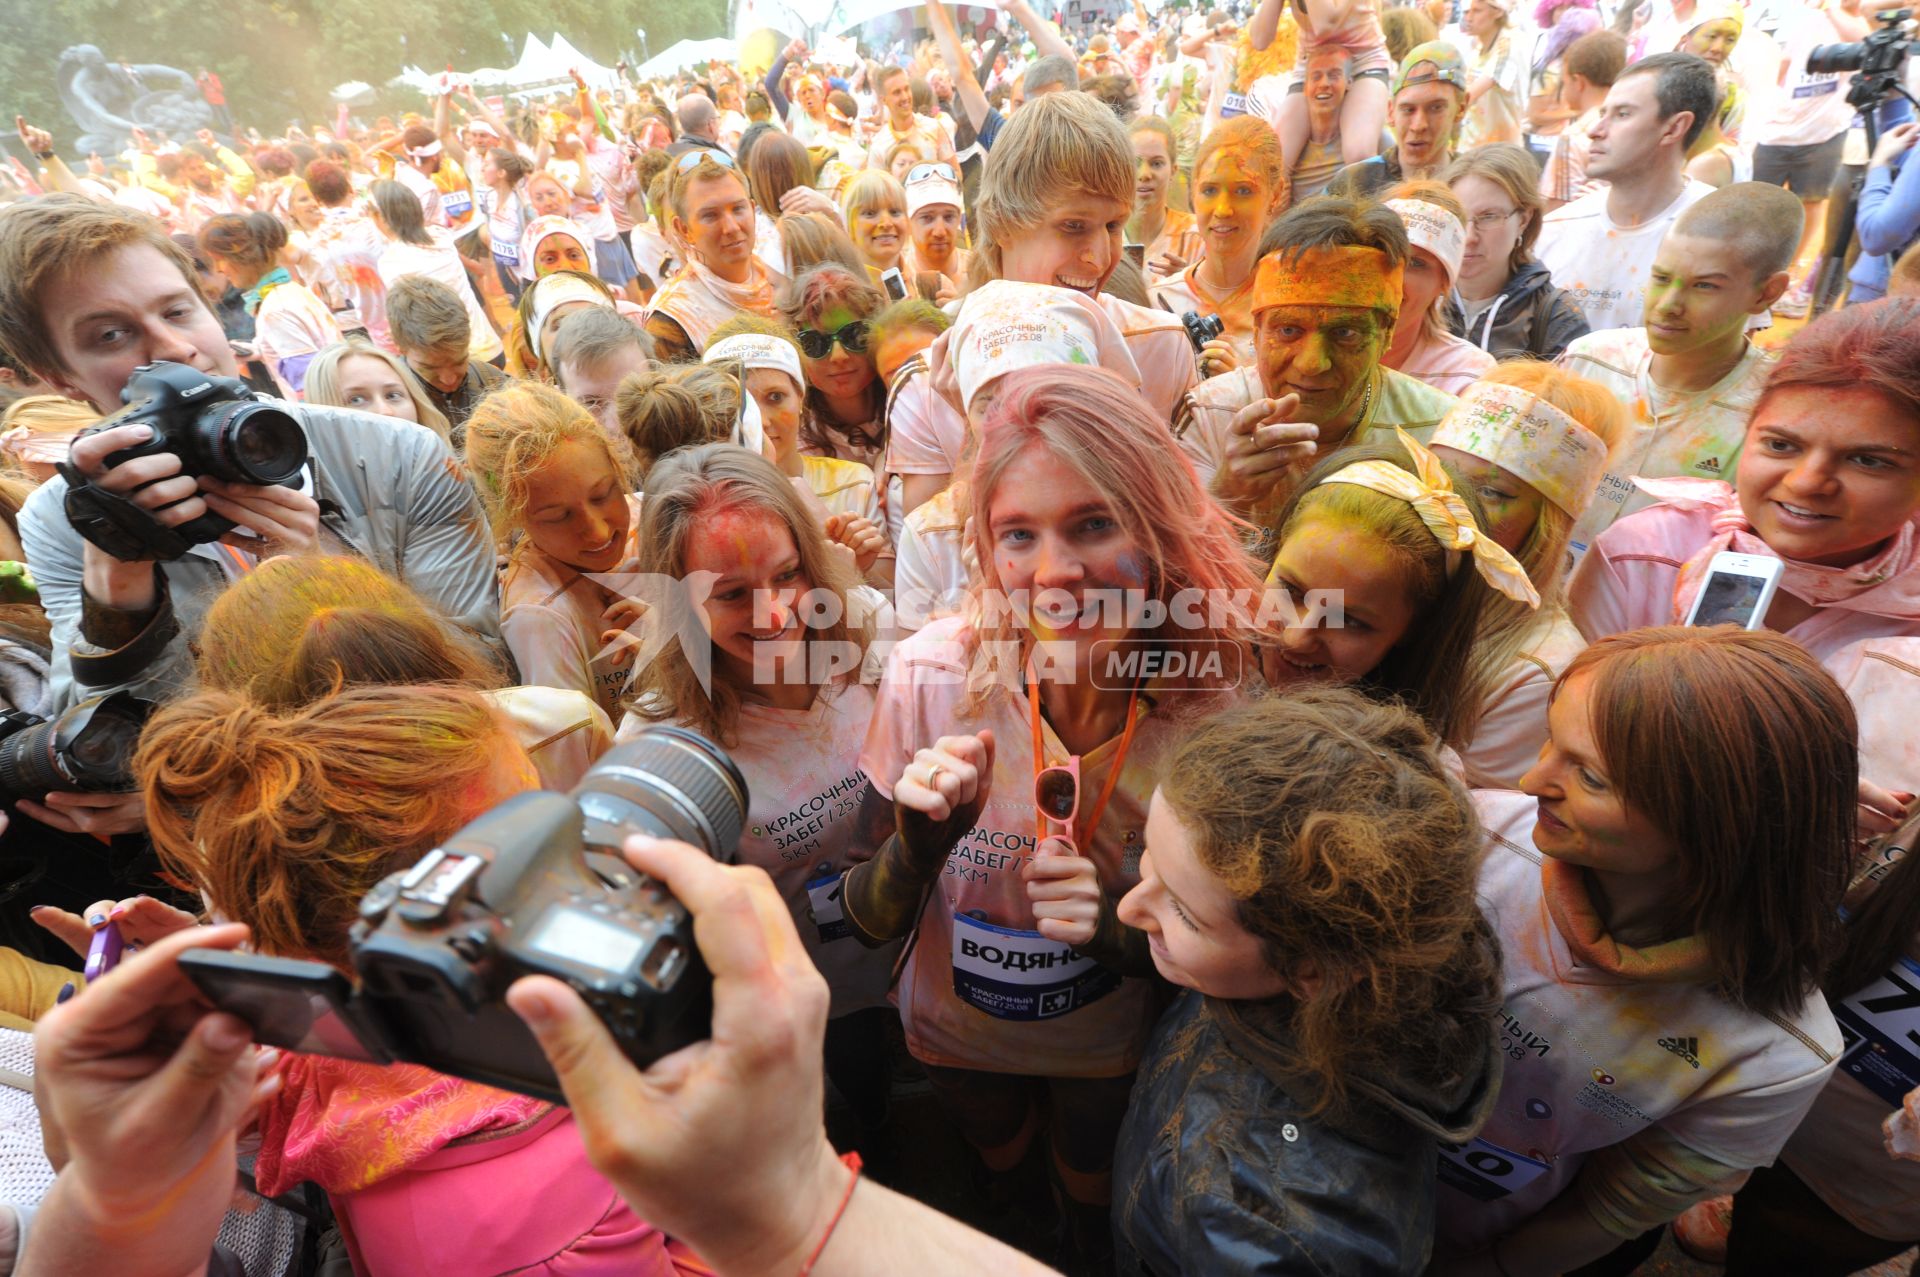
1092 824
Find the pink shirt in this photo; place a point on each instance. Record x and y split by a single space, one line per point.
1626 582
1095 1034
1448 363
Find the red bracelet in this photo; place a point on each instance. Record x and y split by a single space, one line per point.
852 1163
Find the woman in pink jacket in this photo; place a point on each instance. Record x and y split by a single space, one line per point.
1828 480
284 820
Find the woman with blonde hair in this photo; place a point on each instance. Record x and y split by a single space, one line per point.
875 205
1239 186
284 820
548 473
1531 441
1509 305
36 432
812 238
683 407
1422 345
358 374
777 680
1076 495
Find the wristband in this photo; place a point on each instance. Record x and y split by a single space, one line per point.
43 156
852 1161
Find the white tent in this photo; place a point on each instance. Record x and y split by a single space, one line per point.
568 58
687 53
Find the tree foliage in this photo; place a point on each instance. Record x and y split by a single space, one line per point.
279 59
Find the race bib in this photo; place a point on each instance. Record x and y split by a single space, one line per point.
1485 1171
823 902
1880 1026
456 204
1022 975
1818 89
1233 104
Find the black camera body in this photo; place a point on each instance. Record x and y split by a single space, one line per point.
1879 59
215 426
533 887
1202 329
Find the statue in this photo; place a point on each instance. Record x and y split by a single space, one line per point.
108 100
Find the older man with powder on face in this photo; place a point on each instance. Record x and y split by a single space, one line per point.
1325 299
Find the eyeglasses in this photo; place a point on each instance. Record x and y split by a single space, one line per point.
692 158
1056 796
1487 221
818 345
927 172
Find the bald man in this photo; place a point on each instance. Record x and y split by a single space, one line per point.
699 125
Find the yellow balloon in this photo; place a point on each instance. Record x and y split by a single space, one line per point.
758 51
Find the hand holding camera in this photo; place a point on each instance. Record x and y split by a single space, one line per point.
190 459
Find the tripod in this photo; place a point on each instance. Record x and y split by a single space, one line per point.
1869 96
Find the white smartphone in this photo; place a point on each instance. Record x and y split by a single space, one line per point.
894 283
1738 590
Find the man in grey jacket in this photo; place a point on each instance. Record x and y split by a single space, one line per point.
88 293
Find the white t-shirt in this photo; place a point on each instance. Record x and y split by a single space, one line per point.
1806 108
1604 267
552 619
934 565
441 261
1594 1060
1513 720
803 776
1671 434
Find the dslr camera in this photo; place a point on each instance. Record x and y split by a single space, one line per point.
215 426
88 749
1202 329
534 887
1879 59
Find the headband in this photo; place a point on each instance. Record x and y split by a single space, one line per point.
1435 229
556 291
428 151
545 227
757 350
1349 275
1530 439
1430 492
1005 325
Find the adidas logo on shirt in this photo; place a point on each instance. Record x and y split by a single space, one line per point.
1686 1048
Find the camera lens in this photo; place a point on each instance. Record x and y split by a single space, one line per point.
670 783
27 768
249 443
89 748
1836 59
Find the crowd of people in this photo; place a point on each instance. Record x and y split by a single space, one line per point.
1190 530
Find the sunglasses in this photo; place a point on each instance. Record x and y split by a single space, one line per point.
1056 796
818 345
692 158
923 172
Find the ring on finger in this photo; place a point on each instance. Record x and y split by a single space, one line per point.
933 774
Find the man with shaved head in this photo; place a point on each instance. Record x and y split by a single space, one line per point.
1690 376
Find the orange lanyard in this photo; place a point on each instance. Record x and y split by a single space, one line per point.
1091 825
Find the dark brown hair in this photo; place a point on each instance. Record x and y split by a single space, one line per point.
1349 845
1740 747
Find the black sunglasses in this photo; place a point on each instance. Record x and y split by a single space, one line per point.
818 345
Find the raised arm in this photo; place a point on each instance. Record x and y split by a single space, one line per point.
967 88
1046 37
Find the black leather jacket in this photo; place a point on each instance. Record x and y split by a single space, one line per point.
1220 1172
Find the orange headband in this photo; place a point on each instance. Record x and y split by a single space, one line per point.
1350 275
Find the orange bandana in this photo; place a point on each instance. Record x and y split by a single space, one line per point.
1346 276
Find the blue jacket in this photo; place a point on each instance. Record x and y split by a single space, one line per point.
1221 1172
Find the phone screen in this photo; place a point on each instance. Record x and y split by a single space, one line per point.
895 285
1729 598
298 1012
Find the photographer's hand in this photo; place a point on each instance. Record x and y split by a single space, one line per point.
287 521
89 813
699 1144
146 1085
172 496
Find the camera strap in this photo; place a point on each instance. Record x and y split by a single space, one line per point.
115 524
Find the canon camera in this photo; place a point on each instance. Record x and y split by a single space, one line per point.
534 887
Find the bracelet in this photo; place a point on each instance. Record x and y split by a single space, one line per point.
43 156
852 1161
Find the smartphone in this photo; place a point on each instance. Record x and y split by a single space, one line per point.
1137 254
299 1006
895 284
1738 590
